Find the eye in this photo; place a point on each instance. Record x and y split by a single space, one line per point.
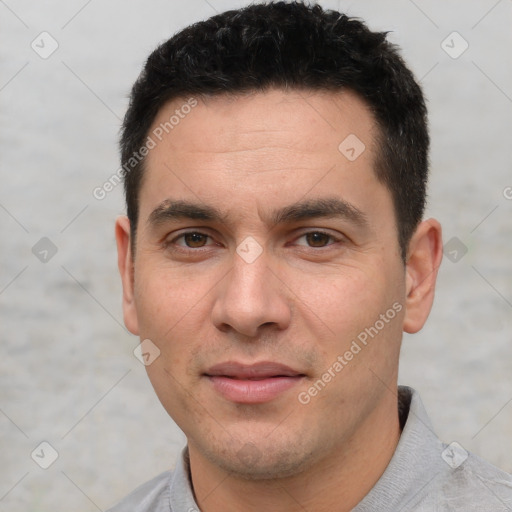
198 240
191 240
318 239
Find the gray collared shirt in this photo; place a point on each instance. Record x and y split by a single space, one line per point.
423 475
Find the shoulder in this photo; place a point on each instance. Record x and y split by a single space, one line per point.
471 480
427 475
456 479
151 496
459 479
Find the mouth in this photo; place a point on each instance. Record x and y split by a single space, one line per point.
252 384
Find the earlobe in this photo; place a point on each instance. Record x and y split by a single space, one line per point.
126 269
424 258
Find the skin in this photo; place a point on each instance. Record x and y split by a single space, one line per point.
301 302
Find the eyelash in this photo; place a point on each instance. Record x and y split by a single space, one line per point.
171 243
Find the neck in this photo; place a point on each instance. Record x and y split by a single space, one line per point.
337 482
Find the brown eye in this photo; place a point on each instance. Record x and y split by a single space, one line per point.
317 239
195 240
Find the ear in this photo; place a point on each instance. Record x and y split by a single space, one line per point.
126 269
424 257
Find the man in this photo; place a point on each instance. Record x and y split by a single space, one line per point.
274 252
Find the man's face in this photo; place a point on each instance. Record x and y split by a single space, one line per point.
302 261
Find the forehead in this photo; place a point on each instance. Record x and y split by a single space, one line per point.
225 123
262 146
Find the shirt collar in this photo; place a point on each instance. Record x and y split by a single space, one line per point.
416 462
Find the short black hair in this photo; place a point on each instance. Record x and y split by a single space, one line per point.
290 45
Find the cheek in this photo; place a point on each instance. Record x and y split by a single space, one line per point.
164 298
171 389
341 306
171 314
342 299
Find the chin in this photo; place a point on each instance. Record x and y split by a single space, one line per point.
251 462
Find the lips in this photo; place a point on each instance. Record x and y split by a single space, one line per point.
252 384
255 371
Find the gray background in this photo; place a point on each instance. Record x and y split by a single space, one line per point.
68 373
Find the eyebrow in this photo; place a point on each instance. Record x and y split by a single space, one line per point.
170 210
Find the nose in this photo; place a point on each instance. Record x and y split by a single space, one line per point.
251 298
